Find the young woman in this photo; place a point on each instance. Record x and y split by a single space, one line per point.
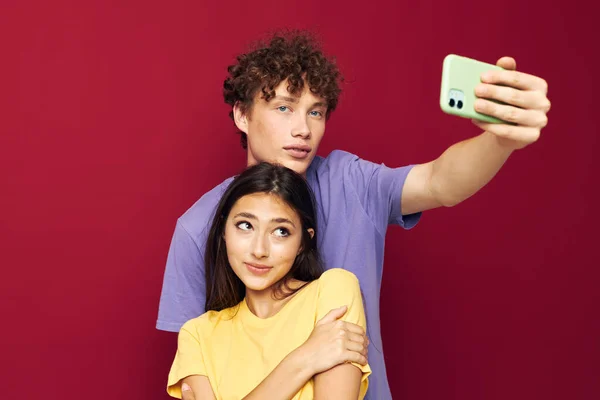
276 325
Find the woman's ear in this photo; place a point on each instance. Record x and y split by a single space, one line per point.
311 232
240 118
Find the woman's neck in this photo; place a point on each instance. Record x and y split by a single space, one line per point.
265 303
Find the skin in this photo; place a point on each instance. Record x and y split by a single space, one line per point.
263 237
263 231
457 174
283 122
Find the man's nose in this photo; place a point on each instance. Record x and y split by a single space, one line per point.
301 128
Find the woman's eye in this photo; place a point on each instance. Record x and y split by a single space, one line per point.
244 226
282 232
316 113
282 108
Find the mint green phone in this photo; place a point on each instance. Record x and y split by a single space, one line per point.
460 76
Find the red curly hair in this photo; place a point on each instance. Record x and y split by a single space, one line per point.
296 57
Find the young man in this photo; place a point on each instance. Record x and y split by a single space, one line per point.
281 96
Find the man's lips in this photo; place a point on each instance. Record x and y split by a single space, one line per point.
298 151
298 147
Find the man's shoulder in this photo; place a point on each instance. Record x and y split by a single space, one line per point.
336 158
342 165
197 218
334 165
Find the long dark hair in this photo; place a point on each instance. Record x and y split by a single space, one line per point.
223 288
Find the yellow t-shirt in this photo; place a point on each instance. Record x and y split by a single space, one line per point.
237 353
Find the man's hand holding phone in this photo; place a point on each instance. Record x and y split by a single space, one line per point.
526 104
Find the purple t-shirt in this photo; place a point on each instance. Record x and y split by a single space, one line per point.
356 201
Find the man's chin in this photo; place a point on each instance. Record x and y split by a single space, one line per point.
298 166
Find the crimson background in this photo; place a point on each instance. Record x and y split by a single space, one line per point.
112 125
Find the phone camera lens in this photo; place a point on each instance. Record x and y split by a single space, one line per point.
459 104
451 102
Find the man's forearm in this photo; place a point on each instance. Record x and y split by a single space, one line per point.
284 381
466 167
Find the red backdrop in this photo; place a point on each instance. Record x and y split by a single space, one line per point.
112 125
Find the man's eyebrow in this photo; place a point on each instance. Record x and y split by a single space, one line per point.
286 98
296 99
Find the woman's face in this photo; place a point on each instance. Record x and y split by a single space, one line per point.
263 236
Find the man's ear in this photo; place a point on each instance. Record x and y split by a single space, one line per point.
240 118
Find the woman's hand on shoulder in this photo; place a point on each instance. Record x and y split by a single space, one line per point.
333 342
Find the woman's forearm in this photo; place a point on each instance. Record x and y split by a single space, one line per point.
285 380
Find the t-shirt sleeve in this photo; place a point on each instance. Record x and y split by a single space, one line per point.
337 288
188 359
379 188
184 288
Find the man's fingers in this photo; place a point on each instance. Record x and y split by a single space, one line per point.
333 315
530 99
507 63
186 392
521 134
515 115
515 79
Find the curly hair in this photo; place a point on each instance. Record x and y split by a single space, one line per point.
296 57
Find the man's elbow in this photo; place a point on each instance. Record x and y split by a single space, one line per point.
443 196
450 201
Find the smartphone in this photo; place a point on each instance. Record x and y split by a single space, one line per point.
460 76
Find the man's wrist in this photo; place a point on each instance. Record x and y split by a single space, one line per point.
503 144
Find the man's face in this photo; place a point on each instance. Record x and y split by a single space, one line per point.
286 130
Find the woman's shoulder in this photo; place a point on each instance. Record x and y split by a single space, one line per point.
340 287
338 277
339 273
208 321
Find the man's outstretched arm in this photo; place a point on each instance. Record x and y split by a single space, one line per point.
466 167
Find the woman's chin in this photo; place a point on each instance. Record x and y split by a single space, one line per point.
257 284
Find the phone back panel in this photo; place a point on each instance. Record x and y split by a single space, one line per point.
460 76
